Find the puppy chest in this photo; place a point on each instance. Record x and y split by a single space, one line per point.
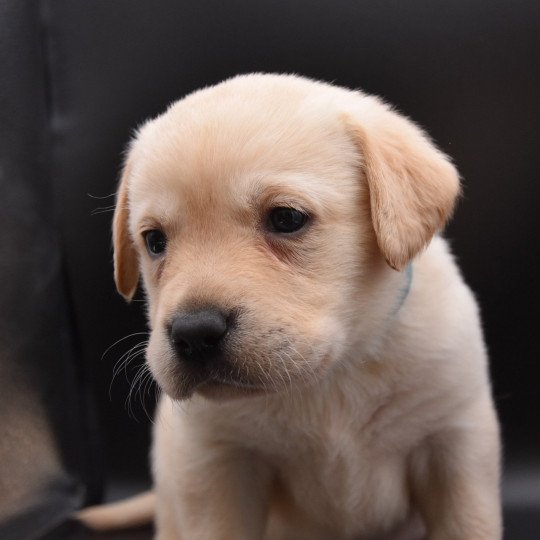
344 488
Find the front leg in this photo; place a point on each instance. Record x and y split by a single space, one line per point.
206 490
455 478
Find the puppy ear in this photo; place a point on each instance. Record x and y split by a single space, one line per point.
126 264
413 186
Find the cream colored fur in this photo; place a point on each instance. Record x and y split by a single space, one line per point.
347 415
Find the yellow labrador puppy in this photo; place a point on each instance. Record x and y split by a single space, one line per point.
323 364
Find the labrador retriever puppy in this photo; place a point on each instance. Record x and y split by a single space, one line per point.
322 360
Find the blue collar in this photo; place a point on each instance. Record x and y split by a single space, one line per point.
404 292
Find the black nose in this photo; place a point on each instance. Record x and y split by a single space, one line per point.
197 335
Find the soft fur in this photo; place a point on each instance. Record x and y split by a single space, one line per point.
345 407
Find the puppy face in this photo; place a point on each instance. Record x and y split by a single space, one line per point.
262 213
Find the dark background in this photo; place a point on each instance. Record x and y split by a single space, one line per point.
78 76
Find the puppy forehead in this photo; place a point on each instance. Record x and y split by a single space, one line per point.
239 147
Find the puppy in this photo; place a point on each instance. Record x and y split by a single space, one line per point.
322 360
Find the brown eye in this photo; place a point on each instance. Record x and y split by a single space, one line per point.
286 220
156 242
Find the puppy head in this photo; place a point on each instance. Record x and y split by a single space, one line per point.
261 212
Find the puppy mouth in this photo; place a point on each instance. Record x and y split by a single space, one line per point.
233 383
229 387
202 379
269 370
217 387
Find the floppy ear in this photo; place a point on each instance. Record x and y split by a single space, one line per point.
126 264
412 185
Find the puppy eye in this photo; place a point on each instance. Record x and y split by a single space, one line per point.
286 220
156 242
